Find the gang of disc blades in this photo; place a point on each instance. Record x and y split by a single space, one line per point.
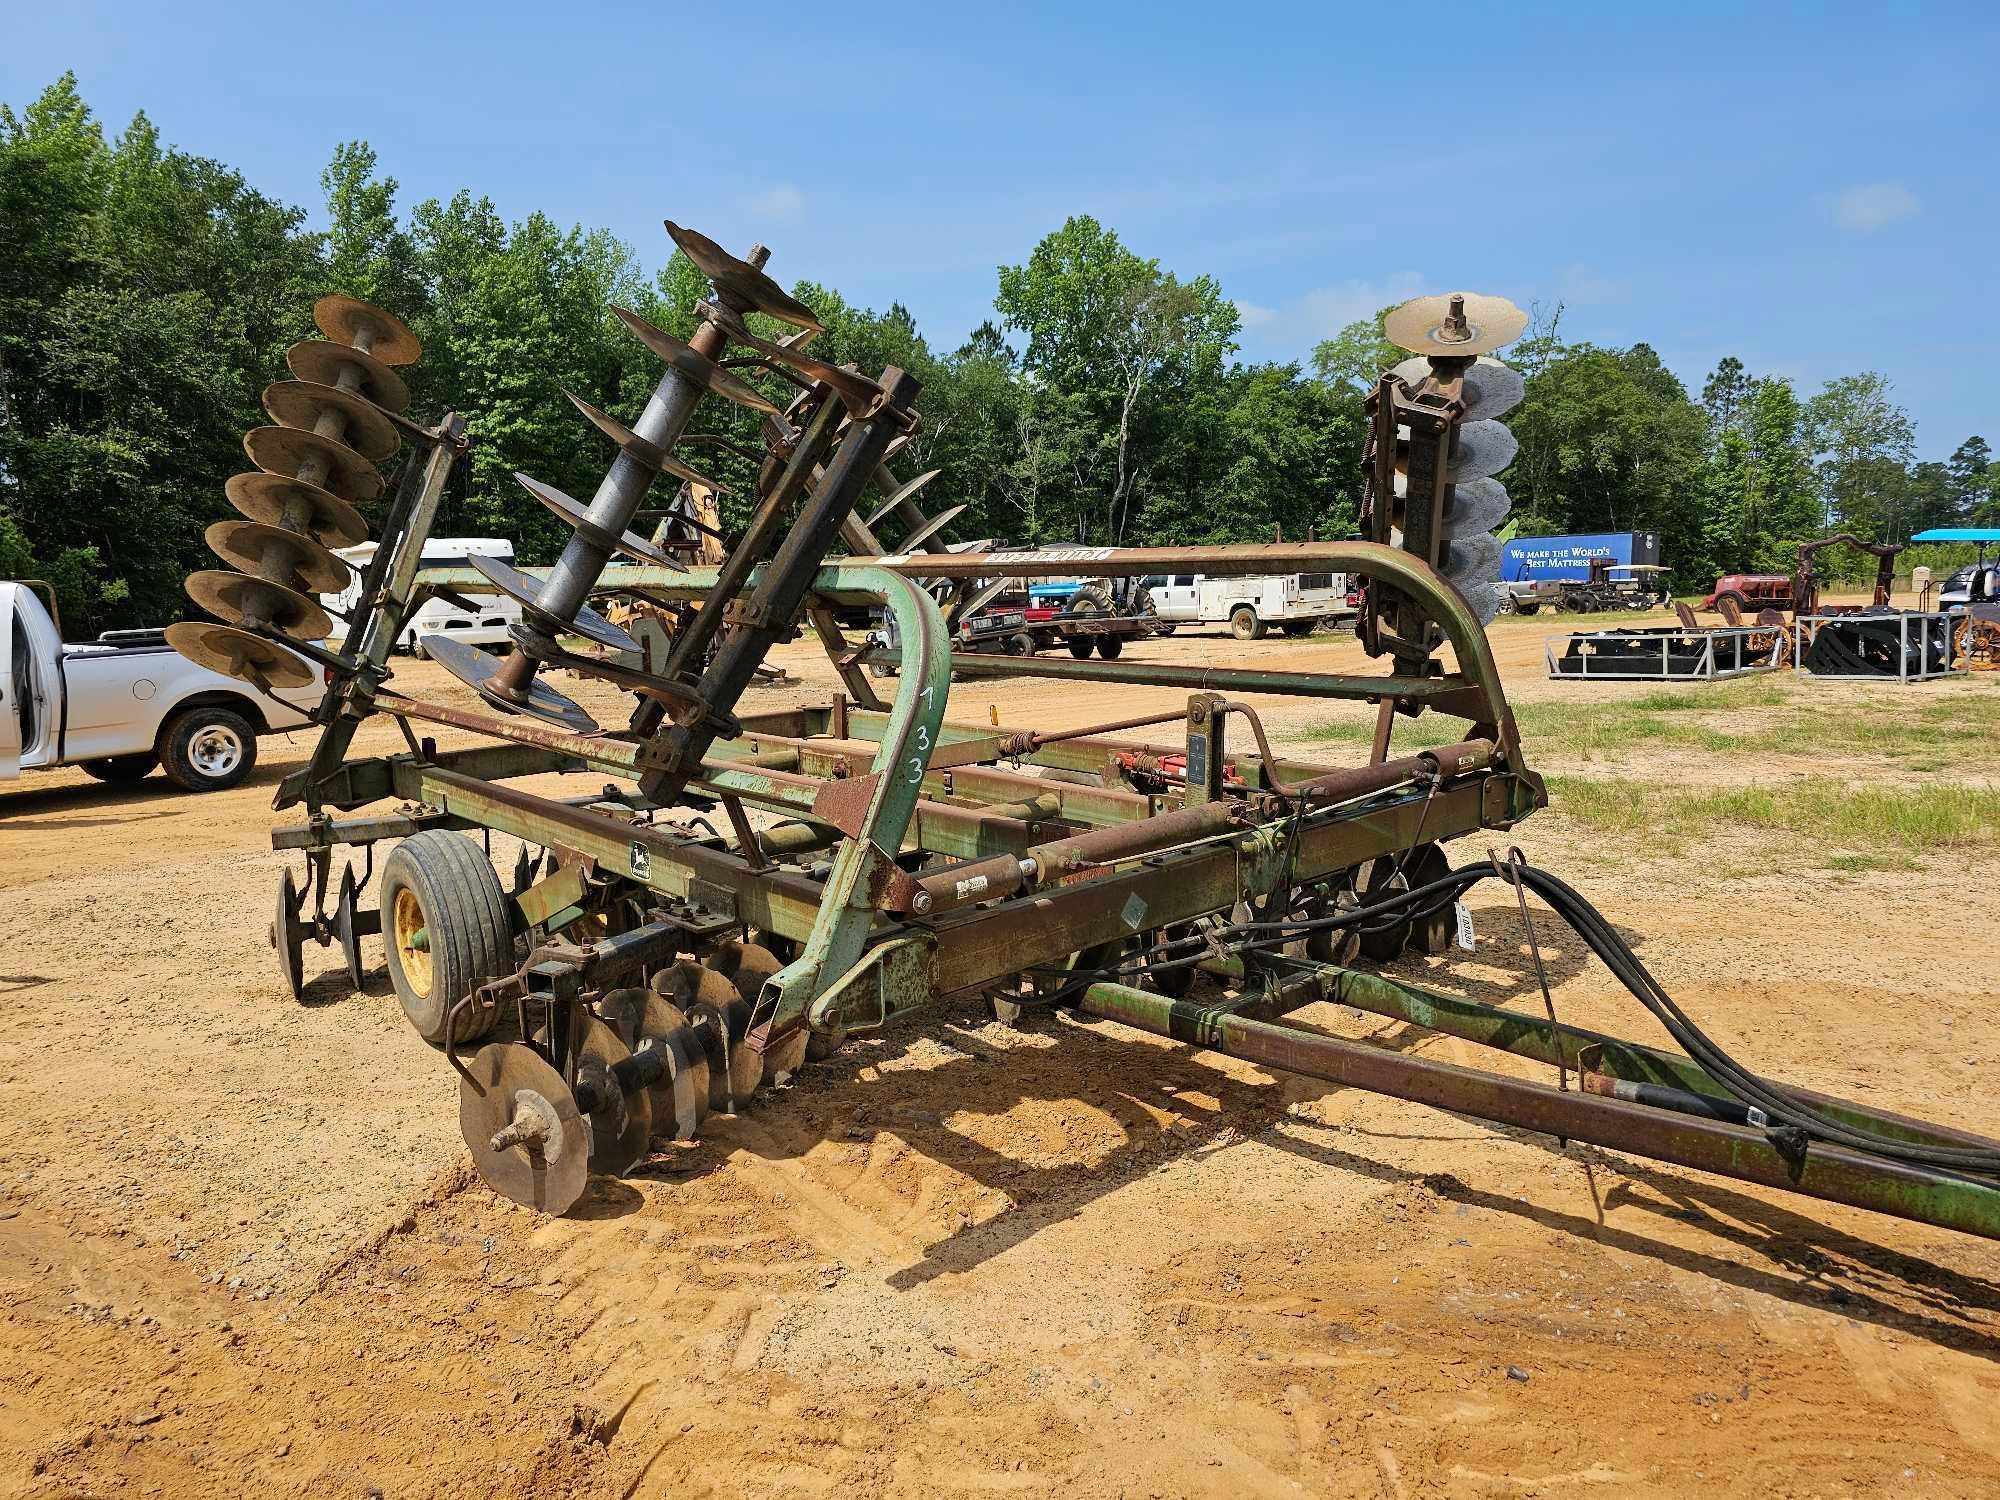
857 392
285 450
1419 325
301 403
248 546
749 284
629 543
254 601
652 455
269 498
1488 389
526 592
477 669
696 366
646 1021
323 362
345 319
507 1078
621 1124
1471 559
237 653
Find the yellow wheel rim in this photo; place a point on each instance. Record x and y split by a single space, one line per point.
408 922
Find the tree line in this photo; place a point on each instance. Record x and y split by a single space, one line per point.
147 296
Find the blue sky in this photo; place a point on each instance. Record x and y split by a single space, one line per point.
1810 188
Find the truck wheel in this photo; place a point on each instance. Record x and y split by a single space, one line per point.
1021 644
1526 609
1244 624
417 651
446 929
1297 628
1108 647
1080 649
122 770
208 749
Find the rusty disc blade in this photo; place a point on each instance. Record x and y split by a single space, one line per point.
255 548
323 362
621 1125
930 528
237 653
899 494
526 592
510 1079
287 450
652 455
348 320
302 403
1490 389
278 500
697 367
631 545
857 392
1423 324
646 1021
743 280
253 601
477 669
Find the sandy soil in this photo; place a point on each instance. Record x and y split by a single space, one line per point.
241 1251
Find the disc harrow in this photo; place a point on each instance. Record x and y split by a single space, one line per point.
728 893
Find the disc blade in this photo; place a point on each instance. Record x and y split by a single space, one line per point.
287 450
526 592
1421 325
930 528
278 500
302 403
348 320
1478 505
697 367
743 279
1481 449
253 547
647 1021
857 392
635 547
237 653
899 494
324 362
650 454
1490 389
253 601
1472 559
510 1080
476 669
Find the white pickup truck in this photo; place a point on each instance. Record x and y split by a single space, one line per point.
1294 602
126 704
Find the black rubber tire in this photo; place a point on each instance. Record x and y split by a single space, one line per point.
182 759
464 912
1526 609
1080 649
1244 624
1109 646
1741 602
1298 628
1091 599
122 770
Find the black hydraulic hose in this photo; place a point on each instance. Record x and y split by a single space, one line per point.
1743 1086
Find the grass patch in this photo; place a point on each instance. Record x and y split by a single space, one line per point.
1853 823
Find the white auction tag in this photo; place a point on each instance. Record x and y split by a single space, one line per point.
1464 925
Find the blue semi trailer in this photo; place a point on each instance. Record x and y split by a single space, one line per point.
1567 559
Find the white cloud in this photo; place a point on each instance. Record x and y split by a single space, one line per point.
1297 325
1252 315
779 201
1581 286
1870 205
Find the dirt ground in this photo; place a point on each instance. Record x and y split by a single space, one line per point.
242 1251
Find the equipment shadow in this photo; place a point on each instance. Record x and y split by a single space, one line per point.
1810 1263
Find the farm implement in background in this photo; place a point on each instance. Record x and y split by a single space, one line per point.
730 893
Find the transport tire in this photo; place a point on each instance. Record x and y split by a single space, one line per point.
1731 594
1527 609
1109 646
122 770
208 749
1298 628
1080 649
446 928
1244 624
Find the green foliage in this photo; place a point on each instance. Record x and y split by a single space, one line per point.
147 296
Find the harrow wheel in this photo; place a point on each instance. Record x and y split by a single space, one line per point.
446 930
